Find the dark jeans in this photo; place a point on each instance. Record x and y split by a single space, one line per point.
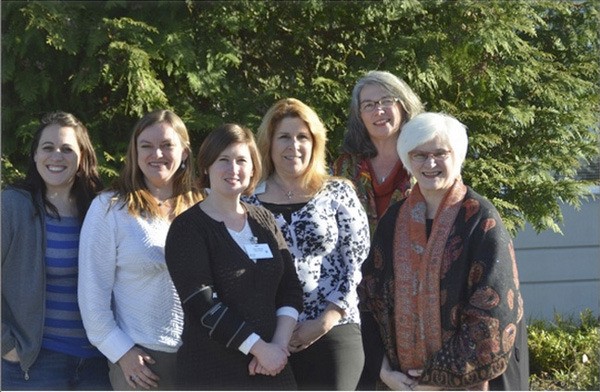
57 371
333 362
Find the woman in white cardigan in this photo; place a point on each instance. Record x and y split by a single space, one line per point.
129 305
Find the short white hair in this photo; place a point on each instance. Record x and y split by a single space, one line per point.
427 126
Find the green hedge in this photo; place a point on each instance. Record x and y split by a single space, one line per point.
563 354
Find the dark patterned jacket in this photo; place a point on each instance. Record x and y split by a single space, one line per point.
476 343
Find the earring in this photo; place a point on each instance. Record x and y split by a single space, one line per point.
182 166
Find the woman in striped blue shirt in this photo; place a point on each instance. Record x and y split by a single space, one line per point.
44 344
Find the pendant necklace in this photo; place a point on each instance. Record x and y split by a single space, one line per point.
165 202
289 194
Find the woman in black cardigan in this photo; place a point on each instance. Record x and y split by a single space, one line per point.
235 277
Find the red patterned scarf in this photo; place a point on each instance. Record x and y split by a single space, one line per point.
417 265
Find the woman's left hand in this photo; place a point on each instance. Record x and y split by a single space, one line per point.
415 374
254 368
398 381
306 333
309 331
12 356
269 358
134 366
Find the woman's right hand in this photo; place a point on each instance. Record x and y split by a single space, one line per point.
133 365
12 356
395 380
269 358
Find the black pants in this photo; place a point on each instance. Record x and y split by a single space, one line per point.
333 362
516 375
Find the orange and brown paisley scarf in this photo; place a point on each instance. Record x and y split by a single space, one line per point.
417 269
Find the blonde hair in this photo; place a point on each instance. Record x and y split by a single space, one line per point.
316 174
130 186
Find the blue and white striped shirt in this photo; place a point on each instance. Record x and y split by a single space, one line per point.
63 328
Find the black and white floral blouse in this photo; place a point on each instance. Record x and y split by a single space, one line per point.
329 239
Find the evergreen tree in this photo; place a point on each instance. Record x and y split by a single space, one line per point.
522 75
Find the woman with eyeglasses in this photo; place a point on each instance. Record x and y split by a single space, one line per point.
381 103
44 343
440 285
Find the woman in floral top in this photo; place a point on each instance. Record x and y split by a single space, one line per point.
381 104
327 233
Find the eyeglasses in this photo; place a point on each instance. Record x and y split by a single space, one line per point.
422 156
369 106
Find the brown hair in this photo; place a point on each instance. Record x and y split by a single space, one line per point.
130 185
87 182
217 141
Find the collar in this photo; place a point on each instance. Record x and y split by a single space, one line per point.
260 188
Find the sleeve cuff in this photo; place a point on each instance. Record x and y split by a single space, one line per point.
288 311
115 345
248 343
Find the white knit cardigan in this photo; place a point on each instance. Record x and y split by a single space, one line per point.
126 294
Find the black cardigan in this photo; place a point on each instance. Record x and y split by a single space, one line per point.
226 296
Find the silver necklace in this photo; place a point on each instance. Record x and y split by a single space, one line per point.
289 194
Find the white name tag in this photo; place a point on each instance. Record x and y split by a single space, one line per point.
259 251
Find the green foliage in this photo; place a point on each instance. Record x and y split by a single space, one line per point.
522 75
9 172
564 354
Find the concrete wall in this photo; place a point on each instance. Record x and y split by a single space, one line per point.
561 273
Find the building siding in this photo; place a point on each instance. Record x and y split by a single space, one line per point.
560 273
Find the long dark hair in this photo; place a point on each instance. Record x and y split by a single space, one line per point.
87 181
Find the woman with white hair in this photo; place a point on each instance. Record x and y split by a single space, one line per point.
441 280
